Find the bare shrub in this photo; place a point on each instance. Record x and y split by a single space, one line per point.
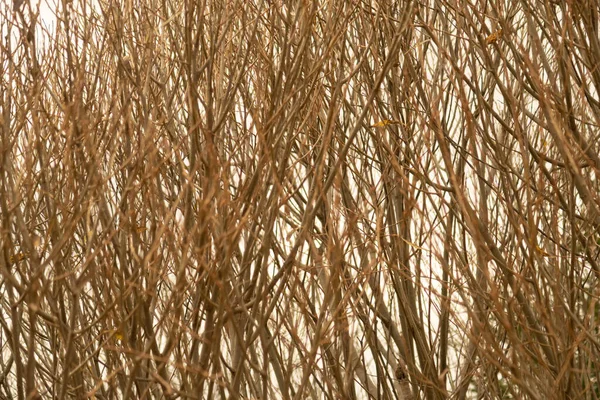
331 199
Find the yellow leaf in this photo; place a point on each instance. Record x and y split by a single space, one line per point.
116 333
385 122
542 251
494 37
18 257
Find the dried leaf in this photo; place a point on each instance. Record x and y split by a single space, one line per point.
385 122
494 37
413 245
